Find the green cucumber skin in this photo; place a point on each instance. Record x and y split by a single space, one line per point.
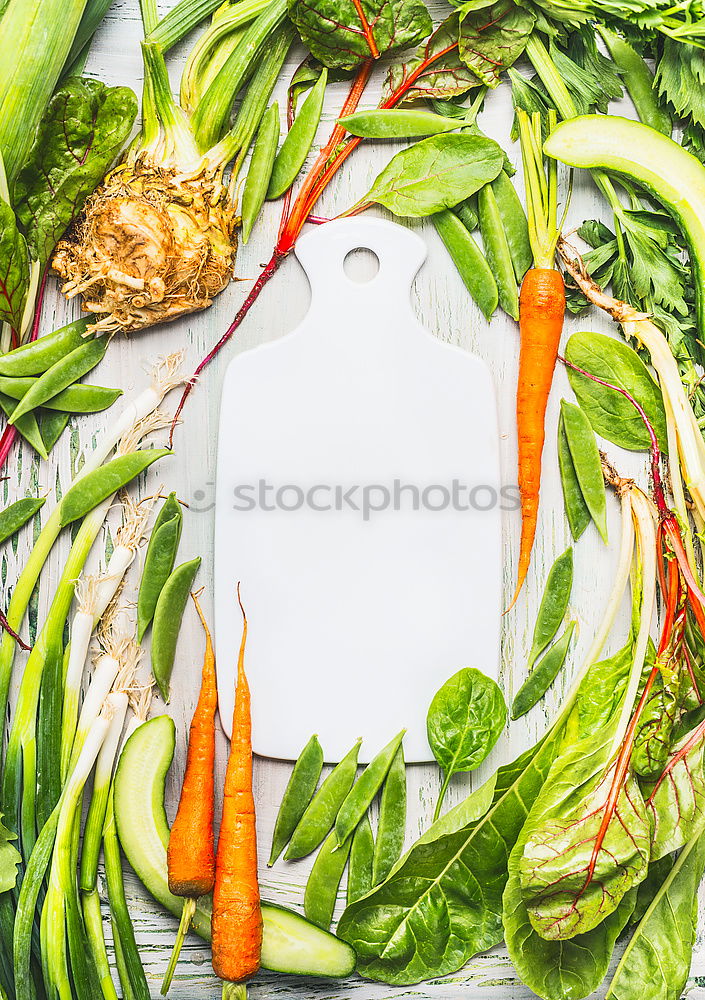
669 173
290 943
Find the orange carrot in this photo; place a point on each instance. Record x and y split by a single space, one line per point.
236 925
541 312
191 853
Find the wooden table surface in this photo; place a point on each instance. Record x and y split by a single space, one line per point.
445 308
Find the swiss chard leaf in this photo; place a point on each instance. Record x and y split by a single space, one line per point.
493 38
465 720
442 903
602 689
663 705
676 802
81 134
10 858
436 173
14 269
611 414
435 70
589 842
660 951
344 33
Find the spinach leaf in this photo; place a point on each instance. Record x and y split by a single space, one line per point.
660 952
554 604
14 269
612 415
10 858
557 970
81 134
436 173
589 842
435 70
465 720
676 803
442 903
493 38
344 33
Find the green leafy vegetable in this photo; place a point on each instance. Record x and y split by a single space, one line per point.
10 858
493 37
344 34
81 134
554 604
602 689
611 414
436 173
465 720
436 70
14 269
676 803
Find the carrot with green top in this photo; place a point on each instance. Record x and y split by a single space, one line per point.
236 925
541 313
191 851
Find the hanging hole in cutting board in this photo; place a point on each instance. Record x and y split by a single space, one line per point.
361 265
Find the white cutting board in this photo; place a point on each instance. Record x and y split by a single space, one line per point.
355 622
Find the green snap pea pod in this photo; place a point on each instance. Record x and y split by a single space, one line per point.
587 463
12 518
260 172
364 790
158 564
516 227
544 674
299 139
391 828
554 604
167 622
361 861
467 213
77 398
42 354
107 479
499 258
52 424
397 124
298 794
319 817
63 374
324 881
639 81
170 508
576 509
468 259
27 425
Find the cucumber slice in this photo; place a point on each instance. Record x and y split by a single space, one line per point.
669 173
290 942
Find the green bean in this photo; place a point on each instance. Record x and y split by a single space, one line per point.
12 518
77 398
324 881
639 81
467 213
107 479
158 562
299 139
319 817
391 828
539 681
27 425
576 509
40 355
496 245
587 463
62 374
168 613
260 170
515 224
52 424
554 604
397 124
364 790
468 259
361 860
297 796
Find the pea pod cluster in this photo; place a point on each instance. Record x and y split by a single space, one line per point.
40 387
335 817
581 472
